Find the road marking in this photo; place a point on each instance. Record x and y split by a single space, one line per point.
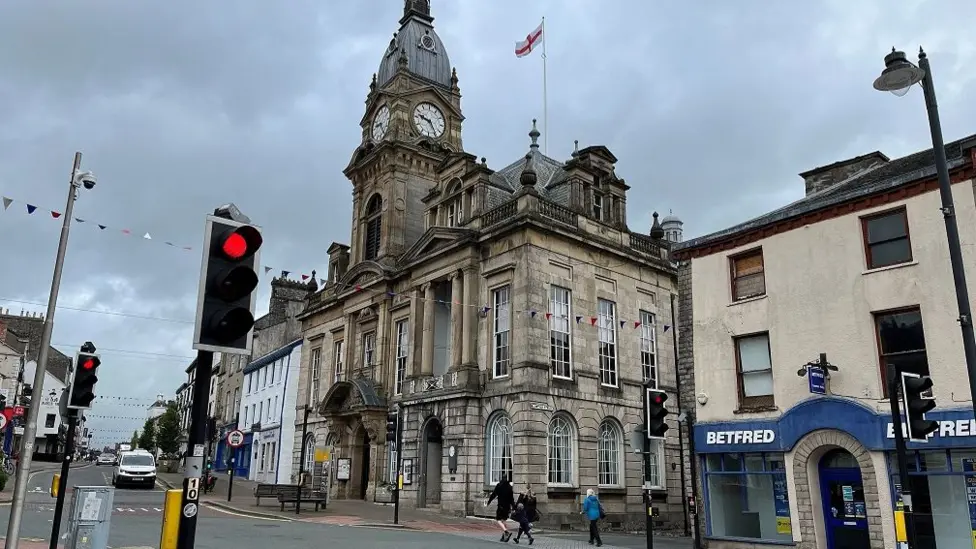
226 512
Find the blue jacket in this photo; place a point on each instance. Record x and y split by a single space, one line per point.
591 507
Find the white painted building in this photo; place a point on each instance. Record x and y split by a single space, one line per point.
267 413
49 415
859 270
9 369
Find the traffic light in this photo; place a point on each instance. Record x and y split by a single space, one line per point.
228 284
656 413
916 406
391 427
82 391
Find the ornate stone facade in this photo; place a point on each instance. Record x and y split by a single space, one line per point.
444 308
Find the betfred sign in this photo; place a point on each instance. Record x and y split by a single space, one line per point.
757 436
949 428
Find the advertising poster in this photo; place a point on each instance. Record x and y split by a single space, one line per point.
781 501
969 467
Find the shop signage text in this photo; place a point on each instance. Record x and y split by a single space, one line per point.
758 436
947 428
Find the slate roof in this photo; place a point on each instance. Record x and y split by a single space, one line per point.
432 65
280 352
883 178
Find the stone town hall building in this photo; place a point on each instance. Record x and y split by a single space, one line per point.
511 314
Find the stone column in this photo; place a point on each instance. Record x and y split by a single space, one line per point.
457 319
469 322
381 360
427 352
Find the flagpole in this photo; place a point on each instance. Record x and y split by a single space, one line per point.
545 92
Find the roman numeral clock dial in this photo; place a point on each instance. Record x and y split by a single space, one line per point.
381 123
429 120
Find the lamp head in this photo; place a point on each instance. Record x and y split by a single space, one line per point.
899 74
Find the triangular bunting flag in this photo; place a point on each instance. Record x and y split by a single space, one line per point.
388 294
592 321
532 314
579 318
304 277
666 327
126 231
548 316
168 243
7 202
188 248
359 288
55 214
485 309
623 323
637 324
79 220
102 227
322 282
267 270
30 209
284 274
147 237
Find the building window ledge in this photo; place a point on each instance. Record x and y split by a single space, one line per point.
564 490
889 267
753 541
611 489
755 409
747 300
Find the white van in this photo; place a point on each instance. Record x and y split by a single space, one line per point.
137 467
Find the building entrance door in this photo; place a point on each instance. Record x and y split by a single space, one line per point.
430 492
844 510
364 474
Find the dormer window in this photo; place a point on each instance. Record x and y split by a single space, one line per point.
454 215
598 211
371 241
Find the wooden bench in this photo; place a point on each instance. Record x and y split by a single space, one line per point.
289 494
270 490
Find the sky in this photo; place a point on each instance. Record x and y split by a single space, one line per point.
712 107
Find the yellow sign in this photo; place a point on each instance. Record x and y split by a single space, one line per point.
783 525
400 481
974 539
55 484
321 454
901 534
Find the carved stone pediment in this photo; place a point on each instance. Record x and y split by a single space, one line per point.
366 314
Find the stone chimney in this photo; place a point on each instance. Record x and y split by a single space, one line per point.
825 177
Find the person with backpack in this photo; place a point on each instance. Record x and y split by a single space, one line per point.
593 510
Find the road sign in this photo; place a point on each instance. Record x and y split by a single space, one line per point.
190 510
235 439
193 488
3 421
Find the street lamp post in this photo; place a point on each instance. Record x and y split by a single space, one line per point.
898 77
77 180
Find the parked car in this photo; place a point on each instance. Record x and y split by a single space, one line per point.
105 459
137 467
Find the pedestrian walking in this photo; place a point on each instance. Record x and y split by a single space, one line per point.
506 498
521 516
593 510
527 498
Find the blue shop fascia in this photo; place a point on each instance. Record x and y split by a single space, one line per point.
824 474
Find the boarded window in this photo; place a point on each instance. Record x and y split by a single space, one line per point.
748 276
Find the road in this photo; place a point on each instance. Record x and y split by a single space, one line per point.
137 519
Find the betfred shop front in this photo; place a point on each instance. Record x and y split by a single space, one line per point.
823 475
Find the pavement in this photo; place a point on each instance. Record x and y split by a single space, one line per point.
137 518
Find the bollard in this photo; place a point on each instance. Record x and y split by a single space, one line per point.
55 483
171 519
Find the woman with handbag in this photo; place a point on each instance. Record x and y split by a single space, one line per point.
593 510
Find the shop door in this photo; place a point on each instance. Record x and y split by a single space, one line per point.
845 514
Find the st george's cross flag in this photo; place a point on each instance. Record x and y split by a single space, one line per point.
525 47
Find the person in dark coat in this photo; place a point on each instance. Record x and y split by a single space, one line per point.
506 499
521 516
527 498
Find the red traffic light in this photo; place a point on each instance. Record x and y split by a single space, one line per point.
658 399
88 364
241 243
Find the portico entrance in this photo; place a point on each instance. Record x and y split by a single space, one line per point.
355 414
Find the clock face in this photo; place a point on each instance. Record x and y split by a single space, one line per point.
381 122
429 120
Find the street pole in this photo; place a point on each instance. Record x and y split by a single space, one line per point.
696 514
952 228
681 440
648 508
901 451
194 451
69 450
399 467
301 460
30 427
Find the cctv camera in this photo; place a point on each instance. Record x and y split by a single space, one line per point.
87 179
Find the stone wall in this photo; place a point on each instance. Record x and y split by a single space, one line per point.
686 370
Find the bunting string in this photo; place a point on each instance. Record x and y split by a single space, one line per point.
31 209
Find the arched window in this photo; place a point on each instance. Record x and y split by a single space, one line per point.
610 454
309 455
371 241
562 446
498 448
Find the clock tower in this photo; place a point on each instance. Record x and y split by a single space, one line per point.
411 125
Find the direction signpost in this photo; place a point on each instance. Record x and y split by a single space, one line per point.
235 439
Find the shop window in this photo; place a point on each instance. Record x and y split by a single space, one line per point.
746 497
901 342
886 239
939 496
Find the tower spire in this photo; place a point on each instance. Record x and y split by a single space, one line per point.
420 8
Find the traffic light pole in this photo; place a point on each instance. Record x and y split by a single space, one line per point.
69 450
195 445
648 507
301 460
399 467
901 451
12 539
